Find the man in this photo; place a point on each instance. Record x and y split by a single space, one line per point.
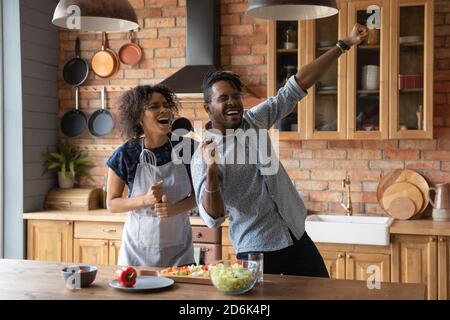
265 211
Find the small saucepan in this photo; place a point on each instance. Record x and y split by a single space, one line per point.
130 53
74 122
76 70
101 123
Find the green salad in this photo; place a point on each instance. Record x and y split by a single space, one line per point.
231 279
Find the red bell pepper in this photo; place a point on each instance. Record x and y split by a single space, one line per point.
126 276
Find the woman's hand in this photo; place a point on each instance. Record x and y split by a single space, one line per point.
358 34
165 209
154 194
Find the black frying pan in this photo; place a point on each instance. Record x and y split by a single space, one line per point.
182 123
101 123
74 122
76 70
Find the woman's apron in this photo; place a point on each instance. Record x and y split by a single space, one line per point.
148 240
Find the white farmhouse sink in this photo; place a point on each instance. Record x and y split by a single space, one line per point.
349 229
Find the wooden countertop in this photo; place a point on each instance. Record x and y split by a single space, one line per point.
414 227
101 215
35 280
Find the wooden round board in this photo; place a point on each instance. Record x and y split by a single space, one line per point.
403 190
406 175
402 208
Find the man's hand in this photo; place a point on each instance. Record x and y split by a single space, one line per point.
164 209
154 194
210 153
358 35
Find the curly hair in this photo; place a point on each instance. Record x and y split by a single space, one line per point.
131 106
212 77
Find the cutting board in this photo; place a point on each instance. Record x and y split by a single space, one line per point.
179 279
402 208
406 175
402 190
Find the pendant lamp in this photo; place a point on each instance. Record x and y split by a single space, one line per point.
96 15
284 10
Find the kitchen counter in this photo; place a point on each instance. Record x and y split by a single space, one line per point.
35 280
421 227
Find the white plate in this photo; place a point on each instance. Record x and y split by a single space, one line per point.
145 283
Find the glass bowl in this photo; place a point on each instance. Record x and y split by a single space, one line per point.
234 276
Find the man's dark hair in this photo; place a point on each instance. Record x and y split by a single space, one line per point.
212 77
132 107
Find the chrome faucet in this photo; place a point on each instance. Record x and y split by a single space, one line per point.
348 207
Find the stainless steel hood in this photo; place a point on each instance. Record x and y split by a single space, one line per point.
202 48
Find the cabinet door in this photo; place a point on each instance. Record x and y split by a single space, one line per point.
91 251
335 263
368 73
411 89
444 268
286 53
50 240
360 266
326 101
114 248
414 260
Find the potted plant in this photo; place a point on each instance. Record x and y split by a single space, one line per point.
70 163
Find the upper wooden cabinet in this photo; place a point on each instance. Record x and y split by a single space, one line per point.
382 89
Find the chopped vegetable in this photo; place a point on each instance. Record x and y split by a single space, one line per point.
189 271
232 279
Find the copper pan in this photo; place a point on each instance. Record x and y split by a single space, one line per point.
130 53
105 62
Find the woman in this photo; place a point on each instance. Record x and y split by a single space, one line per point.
157 231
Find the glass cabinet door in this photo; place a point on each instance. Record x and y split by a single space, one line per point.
368 66
411 95
284 60
326 102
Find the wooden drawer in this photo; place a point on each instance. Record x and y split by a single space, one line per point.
98 230
209 253
206 235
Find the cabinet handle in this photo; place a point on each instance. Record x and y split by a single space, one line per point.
105 243
109 230
433 239
340 256
349 257
199 235
112 244
442 239
69 223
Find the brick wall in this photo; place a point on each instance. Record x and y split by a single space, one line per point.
316 167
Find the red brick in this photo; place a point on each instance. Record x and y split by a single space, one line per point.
160 3
257 38
316 164
148 33
438 176
442 132
316 206
259 49
383 164
352 164
445 165
155 43
329 154
160 22
345 144
236 8
337 185
289 163
302 154
138 74
366 175
422 165
311 185
336 208
328 174
156 63
380 144
164 73
238 30
373 208
312 144
171 32
170 53
247 60
436 155
401 154
173 11
235 50
325 196
444 144
369 186
177 62
178 42
230 19
364 154
298 174
287 154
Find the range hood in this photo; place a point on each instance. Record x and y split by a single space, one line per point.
202 49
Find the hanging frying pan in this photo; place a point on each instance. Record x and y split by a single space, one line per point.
105 62
183 124
74 122
101 123
76 70
130 53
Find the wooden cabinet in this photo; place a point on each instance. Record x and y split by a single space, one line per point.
50 240
97 242
414 260
382 89
228 252
352 262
